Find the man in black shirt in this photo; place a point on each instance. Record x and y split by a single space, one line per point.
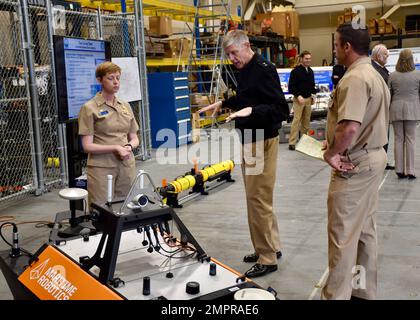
260 109
302 86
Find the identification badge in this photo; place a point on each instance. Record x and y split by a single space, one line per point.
103 113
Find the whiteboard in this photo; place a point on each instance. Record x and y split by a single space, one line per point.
395 53
130 80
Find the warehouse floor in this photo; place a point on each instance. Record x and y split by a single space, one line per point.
219 224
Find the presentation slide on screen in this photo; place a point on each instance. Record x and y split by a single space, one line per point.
395 53
322 76
81 59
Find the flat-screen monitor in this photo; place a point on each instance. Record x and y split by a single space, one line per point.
76 60
323 81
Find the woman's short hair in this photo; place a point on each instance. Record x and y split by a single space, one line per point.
106 67
236 37
405 61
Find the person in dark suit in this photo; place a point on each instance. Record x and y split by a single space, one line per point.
379 58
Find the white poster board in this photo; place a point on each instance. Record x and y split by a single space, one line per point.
395 53
130 80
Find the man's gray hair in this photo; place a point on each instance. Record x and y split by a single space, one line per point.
236 37
378 50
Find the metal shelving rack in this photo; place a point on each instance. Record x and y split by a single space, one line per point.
209 70
399 37
173 9
200 14
197 14
275 45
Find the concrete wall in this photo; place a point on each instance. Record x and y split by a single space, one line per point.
318 42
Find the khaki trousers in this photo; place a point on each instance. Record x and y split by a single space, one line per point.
122 179
259 175
352 241
404 134
301 119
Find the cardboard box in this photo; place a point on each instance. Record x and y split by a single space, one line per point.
265 20
177 47
373 23
154 48
292 20
373 26
278 24
389 28
284 23
160 26
385 26
253 27
262 16
382 23
373 30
